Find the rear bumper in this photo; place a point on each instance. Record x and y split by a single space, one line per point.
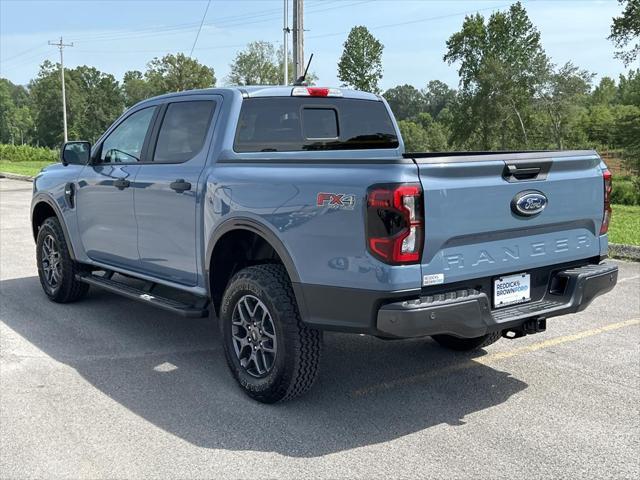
467 313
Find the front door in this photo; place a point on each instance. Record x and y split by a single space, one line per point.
106 217
167 191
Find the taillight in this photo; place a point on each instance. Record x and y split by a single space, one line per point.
395 223
316 92
606 216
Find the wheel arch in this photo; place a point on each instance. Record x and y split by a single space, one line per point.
43 207
246 227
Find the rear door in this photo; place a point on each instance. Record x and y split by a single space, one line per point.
106 218
474 229
167 190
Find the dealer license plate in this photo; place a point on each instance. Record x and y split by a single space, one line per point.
511 290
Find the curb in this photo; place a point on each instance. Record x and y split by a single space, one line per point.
627 252
16 176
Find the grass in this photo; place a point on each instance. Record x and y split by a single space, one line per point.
31 168
625 225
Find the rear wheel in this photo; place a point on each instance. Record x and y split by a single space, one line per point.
467 344
56 269
272 355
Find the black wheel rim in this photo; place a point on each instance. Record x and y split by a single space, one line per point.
254 336
51 262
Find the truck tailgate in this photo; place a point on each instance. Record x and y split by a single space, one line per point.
474 230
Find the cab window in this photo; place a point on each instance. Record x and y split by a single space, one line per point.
124 143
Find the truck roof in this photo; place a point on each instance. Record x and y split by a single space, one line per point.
256 91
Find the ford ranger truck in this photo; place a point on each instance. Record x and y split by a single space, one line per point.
287 211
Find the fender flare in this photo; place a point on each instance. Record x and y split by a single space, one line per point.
44 198
259 228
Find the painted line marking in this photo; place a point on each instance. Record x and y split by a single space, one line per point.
493 357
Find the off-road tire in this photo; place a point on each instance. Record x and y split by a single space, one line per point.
467 344
297 358
68 289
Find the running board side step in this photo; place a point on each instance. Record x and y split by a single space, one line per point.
197 309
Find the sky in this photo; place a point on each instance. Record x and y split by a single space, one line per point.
119 35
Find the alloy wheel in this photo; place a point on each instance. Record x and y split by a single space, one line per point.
51 262
254 336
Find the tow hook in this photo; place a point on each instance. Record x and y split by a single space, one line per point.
534 325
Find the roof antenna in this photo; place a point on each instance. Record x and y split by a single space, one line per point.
300 81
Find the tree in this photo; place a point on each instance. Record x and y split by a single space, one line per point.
46 97
256 65
171 73
605 93
502 67
135 88
565 91
94 101
16 124
438 95
360 66
423 134
628 137
176 73
100 102
7 112
625 31
414 136
405 101
629 88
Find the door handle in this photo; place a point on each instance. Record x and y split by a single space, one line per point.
180 185
121 184
513 173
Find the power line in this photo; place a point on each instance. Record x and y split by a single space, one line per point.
198 34
230 21
24 52
408 22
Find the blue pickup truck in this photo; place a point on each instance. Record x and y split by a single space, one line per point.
287 211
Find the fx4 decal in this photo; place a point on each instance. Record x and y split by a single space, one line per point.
345 201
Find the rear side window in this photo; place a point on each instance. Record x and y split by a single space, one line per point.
285 124
183 131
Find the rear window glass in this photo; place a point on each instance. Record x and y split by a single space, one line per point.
285 124
319 123
183 130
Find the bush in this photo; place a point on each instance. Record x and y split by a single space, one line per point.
626 191
27 153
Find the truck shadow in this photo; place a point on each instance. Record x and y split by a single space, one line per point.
172 372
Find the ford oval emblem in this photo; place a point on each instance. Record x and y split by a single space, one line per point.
529 203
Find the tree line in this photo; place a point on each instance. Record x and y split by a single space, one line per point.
510 94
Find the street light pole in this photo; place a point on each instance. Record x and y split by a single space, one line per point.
61 46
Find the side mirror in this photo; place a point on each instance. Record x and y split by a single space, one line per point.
75 153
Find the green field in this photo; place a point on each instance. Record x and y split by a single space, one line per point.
625 225
30 168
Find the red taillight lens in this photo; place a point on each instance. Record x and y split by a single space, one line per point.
606 216
318 91
395 223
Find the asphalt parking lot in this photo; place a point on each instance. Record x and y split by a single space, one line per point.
110 388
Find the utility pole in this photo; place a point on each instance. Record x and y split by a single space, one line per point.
61 46
298 38
285 43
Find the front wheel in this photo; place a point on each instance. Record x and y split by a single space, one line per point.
272 355
467 344
56 268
